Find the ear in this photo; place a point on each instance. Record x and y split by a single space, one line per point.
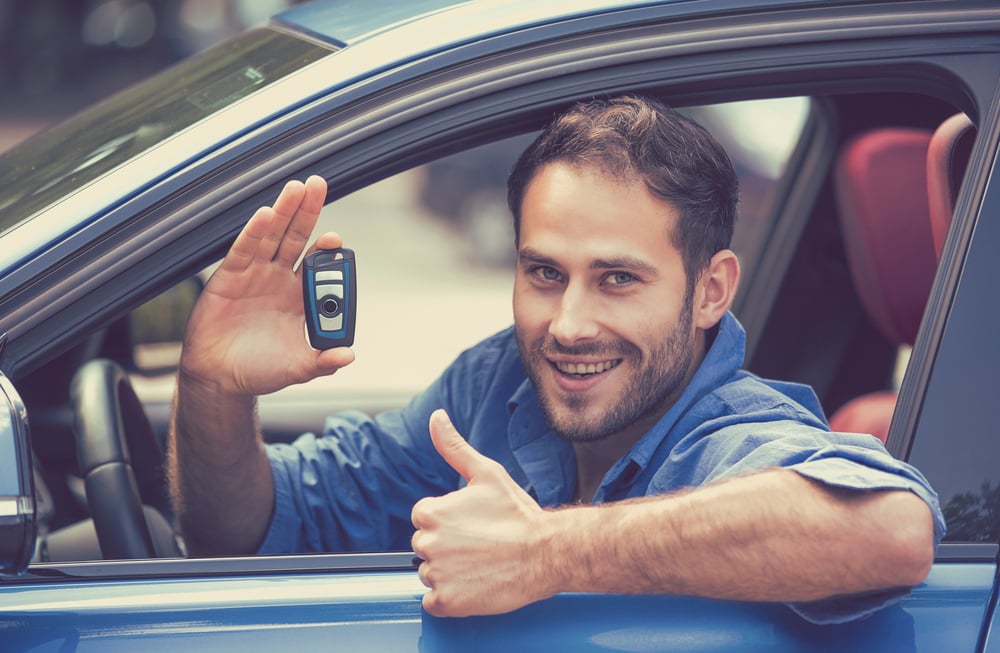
716 288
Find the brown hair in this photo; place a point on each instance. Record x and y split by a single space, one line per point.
676 158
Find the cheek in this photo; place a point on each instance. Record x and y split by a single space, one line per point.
528 306
649 323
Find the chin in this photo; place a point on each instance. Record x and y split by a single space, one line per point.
578 427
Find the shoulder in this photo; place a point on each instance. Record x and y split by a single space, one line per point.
485 374
745 397
494 355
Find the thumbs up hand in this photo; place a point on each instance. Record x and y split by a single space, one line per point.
483 546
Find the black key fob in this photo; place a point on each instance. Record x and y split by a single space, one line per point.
329 294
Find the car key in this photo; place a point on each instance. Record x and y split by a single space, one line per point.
329 295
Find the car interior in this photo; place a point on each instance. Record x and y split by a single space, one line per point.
894 235
839 315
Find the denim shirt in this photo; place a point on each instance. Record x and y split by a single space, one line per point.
353 488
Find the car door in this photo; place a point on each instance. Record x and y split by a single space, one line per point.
949 429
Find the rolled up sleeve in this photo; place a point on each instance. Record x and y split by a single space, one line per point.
849 461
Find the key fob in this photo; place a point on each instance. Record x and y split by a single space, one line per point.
329 295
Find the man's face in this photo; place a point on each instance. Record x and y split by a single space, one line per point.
603 320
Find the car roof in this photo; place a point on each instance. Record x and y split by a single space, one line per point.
346 22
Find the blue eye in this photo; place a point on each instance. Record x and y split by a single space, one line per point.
620 278
547 273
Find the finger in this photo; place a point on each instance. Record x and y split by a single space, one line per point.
328 361
302 221
247 243
418 518
283 209
329 240
458 453
436 606
430 604
334 358
423 573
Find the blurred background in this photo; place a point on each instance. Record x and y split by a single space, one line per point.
59 56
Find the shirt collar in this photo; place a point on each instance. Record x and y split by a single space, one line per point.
723 359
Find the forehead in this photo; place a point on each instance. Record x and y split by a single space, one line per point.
573 211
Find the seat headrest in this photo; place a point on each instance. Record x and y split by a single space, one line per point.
947 157
881 187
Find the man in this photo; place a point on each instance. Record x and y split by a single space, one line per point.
613 444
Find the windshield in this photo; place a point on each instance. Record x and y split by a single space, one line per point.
73 154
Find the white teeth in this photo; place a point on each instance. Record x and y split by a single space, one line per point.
586 368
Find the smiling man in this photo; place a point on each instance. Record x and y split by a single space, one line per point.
603 314
608 442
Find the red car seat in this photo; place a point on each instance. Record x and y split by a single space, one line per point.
894 232
947 158
881 188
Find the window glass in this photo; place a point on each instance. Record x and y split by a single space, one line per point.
956 444
760 137
75 153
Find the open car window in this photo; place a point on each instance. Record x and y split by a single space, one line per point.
435 247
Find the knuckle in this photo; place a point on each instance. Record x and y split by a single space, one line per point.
494 468
428 574
424 574
424 544
423 513
418 515
430 603
439 604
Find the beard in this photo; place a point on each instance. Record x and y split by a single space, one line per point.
657 380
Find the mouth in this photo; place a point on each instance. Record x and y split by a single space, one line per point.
585 370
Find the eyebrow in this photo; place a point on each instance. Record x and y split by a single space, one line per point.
527 254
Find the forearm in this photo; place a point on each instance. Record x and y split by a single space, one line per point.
220 478
775 536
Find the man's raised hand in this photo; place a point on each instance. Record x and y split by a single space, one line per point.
246 334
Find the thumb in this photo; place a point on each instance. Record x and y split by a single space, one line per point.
329 361
455 450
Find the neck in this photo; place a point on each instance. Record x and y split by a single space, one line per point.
593 460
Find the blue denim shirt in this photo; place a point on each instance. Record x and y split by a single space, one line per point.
353 488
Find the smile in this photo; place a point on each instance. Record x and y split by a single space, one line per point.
581 370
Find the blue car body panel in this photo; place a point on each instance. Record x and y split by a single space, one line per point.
380 611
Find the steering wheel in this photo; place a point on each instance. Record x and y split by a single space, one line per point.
109 422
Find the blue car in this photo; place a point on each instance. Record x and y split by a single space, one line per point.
866 138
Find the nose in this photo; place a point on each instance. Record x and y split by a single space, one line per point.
574 319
